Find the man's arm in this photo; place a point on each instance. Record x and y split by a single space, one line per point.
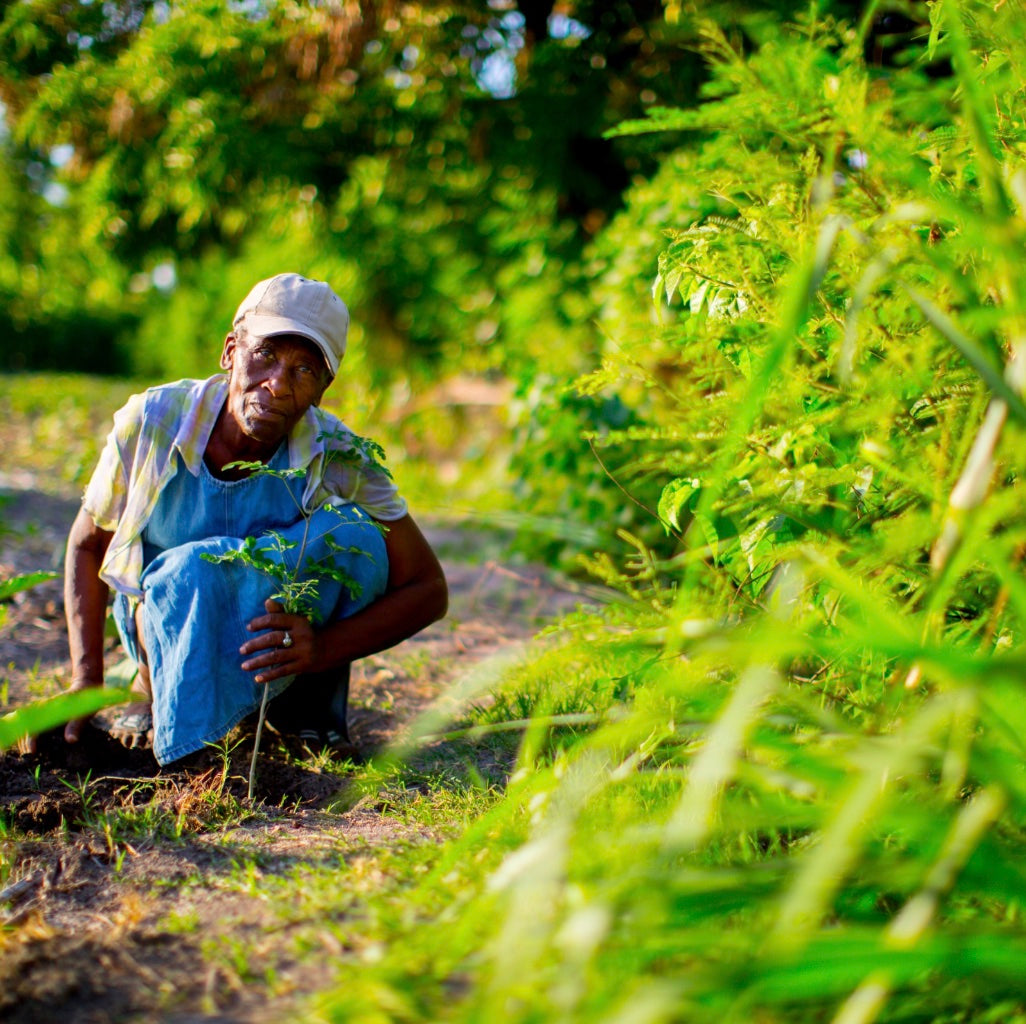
85 606
415 597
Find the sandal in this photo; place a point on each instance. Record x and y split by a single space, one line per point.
133 729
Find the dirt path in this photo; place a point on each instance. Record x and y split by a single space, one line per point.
172 921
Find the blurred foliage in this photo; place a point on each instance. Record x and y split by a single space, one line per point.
53 426
850 150
42 715
440 163
781 778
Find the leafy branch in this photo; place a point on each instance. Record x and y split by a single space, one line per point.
298 581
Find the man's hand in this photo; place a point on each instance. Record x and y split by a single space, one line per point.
272 658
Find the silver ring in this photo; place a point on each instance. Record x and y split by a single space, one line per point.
286 640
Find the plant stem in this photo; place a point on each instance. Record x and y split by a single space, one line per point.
263 699
256 742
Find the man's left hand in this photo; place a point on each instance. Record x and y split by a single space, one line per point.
274 658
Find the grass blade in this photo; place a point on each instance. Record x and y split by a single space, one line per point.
44 715
25 581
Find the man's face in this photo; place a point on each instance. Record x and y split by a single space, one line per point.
272 382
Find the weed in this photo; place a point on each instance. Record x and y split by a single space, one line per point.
181 923
39 685
329 762
224 750
80 787
420 662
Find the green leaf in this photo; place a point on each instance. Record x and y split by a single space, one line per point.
44 715
674 499
972 353
25 581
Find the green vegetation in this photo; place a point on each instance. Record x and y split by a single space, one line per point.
48 714
784 780
780 778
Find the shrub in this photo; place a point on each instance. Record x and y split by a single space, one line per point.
804 796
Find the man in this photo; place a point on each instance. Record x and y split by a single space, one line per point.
168 492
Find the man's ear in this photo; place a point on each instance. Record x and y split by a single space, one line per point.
228 350
326 380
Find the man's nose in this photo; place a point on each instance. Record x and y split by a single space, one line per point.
278 380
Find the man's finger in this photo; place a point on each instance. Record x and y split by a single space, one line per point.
270 621
267 641
73 730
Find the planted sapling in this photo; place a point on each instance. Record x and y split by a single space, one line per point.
298 579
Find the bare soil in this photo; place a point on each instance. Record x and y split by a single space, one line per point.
174 923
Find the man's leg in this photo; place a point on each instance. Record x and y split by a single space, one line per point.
133 724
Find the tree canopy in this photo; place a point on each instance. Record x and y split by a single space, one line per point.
431 157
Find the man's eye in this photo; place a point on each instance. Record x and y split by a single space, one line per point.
265 352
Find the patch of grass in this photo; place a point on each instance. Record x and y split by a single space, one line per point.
145 812
181 922
53 425
420 663
40 684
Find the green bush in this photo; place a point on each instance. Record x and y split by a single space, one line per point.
801 796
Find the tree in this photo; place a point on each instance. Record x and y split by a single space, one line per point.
196 128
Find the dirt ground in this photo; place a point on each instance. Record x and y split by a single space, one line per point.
101 928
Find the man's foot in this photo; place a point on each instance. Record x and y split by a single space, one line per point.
336 743
132 726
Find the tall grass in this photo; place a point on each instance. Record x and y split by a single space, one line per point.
794 786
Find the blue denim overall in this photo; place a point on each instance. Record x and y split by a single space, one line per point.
195 612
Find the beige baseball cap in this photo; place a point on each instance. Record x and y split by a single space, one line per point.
293 304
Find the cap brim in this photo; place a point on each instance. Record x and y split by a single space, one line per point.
263 326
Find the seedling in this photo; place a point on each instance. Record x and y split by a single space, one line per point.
298 584
224 754
81 789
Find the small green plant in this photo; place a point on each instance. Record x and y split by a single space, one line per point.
297 590
185 923
298 582
224 753
80 787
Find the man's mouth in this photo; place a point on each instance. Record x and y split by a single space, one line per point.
266 412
